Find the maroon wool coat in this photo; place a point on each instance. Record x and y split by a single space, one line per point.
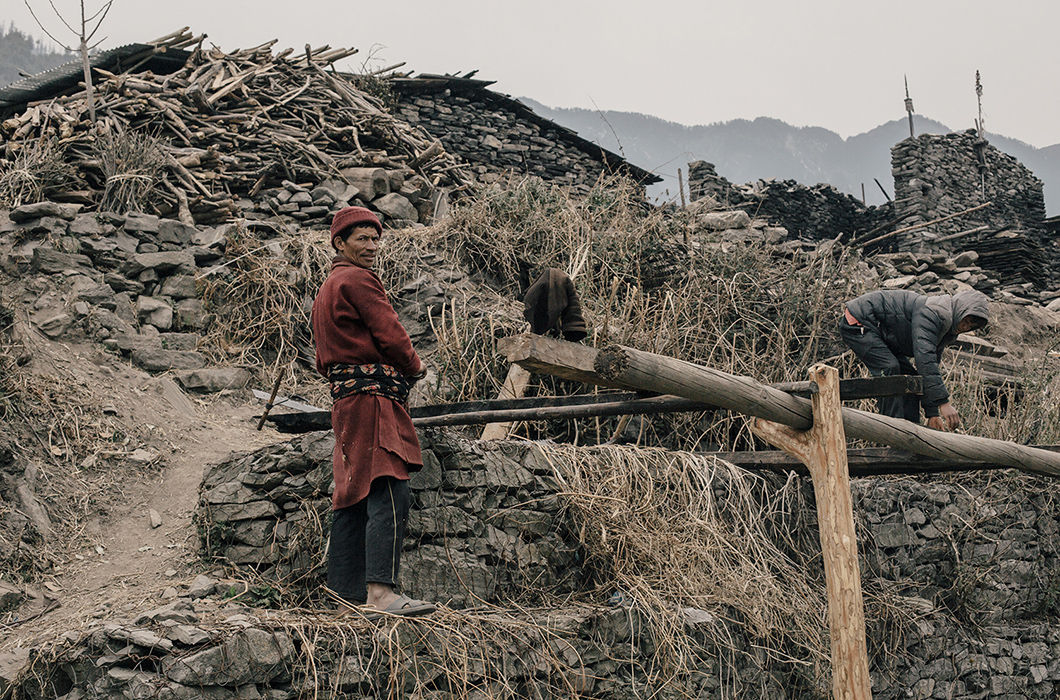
354 323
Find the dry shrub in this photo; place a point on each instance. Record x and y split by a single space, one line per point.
261 298
33 172
675 530
133 165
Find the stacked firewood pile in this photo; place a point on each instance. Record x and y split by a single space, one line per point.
236 130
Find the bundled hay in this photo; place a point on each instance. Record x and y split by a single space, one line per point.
36 171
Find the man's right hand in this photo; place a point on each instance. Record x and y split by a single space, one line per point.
948 418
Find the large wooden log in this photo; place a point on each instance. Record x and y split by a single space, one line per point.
823 450
627 368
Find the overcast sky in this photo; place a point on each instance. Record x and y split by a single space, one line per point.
832 63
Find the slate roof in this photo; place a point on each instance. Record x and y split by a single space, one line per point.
428 82
65 78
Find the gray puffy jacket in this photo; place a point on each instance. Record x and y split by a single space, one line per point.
918 326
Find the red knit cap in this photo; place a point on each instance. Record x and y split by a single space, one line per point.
348 217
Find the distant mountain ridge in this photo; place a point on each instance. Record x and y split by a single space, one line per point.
747 150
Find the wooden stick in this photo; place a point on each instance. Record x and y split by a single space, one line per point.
823 450
514 387
907 229
272 397
626 368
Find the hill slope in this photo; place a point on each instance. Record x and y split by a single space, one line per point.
20 52
744 150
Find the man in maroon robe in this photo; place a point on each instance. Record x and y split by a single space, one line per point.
366 355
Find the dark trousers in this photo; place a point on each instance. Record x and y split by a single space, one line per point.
366 539
870 349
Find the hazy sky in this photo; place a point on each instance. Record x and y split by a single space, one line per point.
831 63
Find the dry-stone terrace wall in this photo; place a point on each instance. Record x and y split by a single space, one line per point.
813 213
490 514
976 563
495 140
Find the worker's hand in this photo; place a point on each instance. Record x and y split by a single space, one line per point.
413 378
936 423
949 414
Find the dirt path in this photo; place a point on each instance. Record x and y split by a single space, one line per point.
123 564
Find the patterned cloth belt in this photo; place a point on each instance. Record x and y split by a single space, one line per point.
376 379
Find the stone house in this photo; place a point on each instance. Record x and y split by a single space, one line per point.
499 135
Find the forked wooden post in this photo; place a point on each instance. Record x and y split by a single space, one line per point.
823 450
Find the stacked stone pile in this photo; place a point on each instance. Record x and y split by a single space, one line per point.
820 212
127 281
399 196
498 136
938 175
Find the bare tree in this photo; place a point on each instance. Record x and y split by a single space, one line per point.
84 35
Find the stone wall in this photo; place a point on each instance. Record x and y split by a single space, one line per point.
490 514
938 175
496 140
973 565
814 213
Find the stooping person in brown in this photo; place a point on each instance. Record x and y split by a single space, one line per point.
367 357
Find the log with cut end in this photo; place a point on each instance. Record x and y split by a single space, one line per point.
644 371
625 368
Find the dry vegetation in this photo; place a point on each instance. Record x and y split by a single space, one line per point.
739 308
64 451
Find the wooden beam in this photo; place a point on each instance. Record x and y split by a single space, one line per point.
823 450
632 369
872 461
585 406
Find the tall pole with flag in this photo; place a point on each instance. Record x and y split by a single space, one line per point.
979 98
908 105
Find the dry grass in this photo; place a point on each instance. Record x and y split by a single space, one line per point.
738 307
674 530
32 172
133 165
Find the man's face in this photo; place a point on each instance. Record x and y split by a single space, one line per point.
968 323
360 247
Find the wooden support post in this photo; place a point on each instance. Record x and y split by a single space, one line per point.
823 450
513 388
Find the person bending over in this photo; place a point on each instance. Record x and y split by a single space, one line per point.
886 328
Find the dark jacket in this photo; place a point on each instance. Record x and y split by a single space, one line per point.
918 326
